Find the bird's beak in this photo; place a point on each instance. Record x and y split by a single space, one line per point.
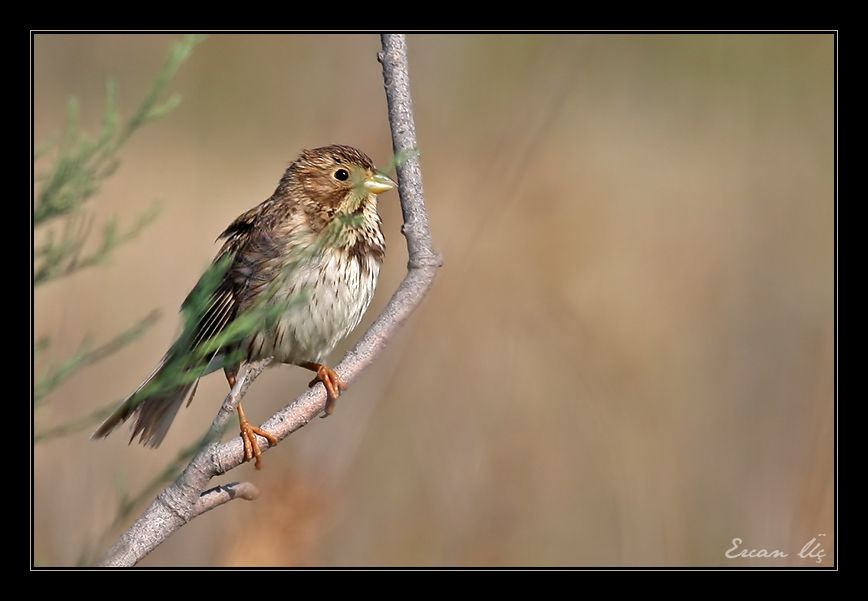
379 183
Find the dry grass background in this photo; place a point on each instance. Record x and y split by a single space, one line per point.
627 358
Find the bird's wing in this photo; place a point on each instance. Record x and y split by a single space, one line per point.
252 256
219 302
243 224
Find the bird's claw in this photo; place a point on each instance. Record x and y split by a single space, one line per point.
251 447
333 385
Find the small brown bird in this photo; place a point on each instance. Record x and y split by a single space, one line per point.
303 264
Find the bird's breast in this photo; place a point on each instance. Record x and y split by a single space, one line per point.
337 286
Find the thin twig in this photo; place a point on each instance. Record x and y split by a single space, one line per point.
181 501
217 496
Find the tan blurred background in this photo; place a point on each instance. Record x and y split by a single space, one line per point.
627 358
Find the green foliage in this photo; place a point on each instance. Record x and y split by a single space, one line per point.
188 359
85 422
61 255
80 163
401 157
54 376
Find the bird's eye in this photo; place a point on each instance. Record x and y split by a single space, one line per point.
342 174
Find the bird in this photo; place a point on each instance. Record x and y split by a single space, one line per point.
294 276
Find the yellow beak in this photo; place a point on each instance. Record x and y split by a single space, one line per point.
379 183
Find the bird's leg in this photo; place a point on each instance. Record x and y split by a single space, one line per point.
332 382
248 435
248 431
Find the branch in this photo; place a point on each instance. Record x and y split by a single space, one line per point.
183 500
215 497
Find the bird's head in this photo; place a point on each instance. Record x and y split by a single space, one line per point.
336 180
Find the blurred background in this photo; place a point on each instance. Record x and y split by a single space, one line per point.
627 358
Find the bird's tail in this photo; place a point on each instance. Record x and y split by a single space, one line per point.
154 412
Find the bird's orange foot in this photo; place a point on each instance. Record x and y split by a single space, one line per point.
251 447
333 384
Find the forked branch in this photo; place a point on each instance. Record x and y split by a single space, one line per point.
184 499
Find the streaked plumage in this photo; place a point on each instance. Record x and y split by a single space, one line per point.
319 236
